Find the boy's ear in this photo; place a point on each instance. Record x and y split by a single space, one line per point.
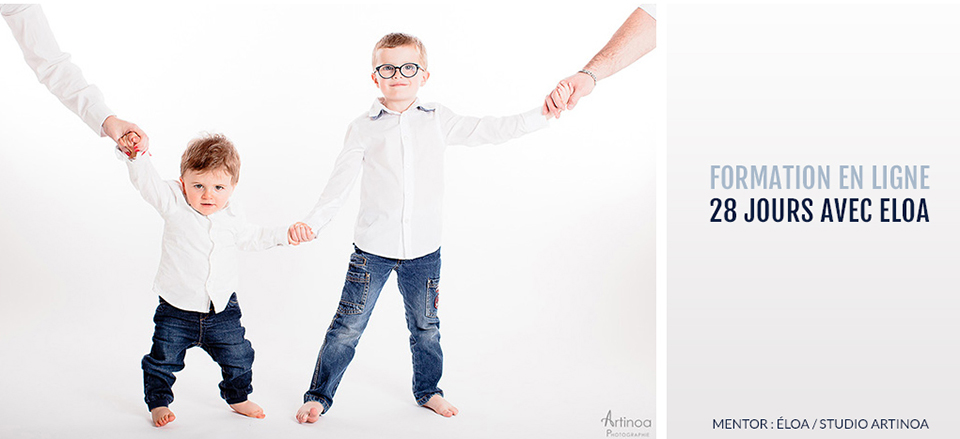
373 76
423 81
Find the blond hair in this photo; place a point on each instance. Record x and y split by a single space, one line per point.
398 39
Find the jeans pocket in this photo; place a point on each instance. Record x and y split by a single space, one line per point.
357 260
432 297
354 294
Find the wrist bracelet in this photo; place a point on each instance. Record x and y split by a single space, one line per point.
591 75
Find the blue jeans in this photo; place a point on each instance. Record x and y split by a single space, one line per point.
419 281
218 333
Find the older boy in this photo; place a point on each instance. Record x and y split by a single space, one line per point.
399 145
197 279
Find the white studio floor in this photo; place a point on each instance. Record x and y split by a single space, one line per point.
72 370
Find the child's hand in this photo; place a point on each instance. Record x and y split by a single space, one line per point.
560 94
299 232
131 144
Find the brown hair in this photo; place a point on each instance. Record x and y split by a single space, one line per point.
398 39
211 152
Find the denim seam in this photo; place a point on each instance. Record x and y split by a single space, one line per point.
199 341
316 372
363 260
363 297
433 284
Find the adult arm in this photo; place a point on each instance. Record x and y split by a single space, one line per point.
61 76
636 37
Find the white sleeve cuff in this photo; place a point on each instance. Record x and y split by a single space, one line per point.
533 120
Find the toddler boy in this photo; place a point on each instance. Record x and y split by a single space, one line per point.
198 275
399 145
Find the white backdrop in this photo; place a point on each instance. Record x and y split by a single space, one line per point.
548 272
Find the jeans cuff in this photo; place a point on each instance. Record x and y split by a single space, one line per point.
323 402
236 400
162 402
423 399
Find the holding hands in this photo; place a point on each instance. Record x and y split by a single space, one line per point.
299 232
566 94
636 37
133 145
129 137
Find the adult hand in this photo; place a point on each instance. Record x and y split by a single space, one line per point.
117 129
580 85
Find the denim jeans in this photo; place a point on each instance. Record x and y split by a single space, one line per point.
419 282
218 333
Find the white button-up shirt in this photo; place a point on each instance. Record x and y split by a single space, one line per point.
52 66
199 264
401 158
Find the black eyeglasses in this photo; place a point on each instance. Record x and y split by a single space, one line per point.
408 70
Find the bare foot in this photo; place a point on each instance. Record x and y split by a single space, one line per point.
248 408
309 412
162 416
441 406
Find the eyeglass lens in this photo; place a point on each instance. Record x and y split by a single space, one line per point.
407 70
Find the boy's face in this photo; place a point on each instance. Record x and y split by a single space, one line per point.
207 192
399 88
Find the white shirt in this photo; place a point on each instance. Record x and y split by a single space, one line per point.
53 67
199 262
401 155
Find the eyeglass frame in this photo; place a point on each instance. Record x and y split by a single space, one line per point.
398 69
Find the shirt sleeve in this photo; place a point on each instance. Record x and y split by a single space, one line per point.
473 131
52 66
251 237
162 195
341 182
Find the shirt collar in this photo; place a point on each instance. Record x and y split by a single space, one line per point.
377 109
